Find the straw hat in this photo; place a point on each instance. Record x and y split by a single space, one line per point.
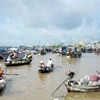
41 62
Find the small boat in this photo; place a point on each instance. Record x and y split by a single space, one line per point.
73 86
74 54
2 85
18 62
42 52
46 69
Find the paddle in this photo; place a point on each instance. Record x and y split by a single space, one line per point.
98 72
57 66
59 86
9 74
62 83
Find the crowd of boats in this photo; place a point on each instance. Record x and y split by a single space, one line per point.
12 58
22 57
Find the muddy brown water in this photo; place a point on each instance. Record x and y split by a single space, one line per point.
32 85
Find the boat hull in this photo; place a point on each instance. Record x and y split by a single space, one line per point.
46 70
18 64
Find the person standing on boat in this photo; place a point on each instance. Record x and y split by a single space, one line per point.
1 71
75 51
50 63
69 53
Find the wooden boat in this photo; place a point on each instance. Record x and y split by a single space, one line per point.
73 86
2 85
17 62
74 54
42 52
46 69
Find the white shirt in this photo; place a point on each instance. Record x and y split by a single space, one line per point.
9 59
49 63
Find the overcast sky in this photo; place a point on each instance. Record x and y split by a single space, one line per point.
31 22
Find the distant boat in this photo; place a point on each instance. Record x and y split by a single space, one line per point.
16 62
74 54
42 52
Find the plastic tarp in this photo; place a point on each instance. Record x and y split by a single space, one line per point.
94 78
2 50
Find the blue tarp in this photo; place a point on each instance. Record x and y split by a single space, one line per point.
2 50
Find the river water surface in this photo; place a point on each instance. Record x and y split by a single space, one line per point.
32 85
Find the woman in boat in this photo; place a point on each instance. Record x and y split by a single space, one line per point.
42 65
14 55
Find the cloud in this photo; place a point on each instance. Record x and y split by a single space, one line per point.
26 22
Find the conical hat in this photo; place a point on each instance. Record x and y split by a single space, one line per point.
41 62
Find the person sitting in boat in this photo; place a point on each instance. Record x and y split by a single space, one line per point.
94 79
25 57
1 71
90 80
83 81
70 74
42 65
49 63
9 59
14 55
69 53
